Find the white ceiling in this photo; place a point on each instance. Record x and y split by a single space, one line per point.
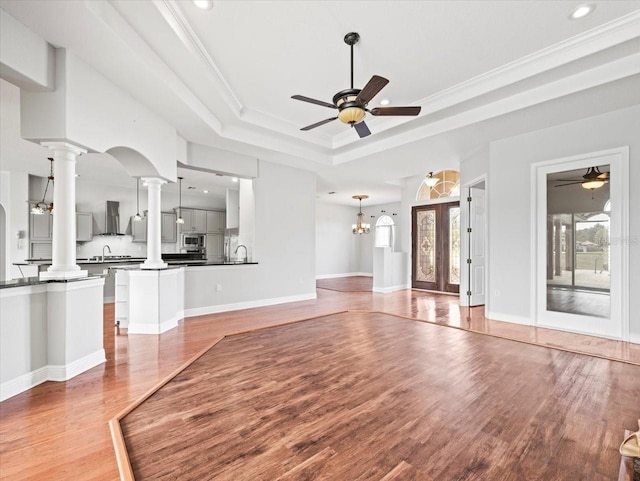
481 70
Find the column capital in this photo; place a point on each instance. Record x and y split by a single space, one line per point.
64 146
152 181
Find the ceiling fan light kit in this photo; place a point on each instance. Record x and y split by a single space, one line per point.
593 179
352 103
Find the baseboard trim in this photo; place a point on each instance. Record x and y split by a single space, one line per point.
502 317
108 300
66 372
634 338
201 311
153 328
346 274
23 383
387 290
50 373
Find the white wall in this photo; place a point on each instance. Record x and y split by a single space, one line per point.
337 249
285 240
510 210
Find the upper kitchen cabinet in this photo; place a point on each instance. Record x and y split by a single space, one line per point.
195 221
169 231
139 230
84 226
41 227
199 224
216 221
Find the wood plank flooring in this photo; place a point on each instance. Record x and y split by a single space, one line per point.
369 396
59 431
346 284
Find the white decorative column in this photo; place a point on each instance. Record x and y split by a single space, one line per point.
154 226
63 258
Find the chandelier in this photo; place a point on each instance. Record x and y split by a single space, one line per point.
42 206
361 227
430 180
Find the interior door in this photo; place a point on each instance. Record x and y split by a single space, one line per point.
477 220
435 247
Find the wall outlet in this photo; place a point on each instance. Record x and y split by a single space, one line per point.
496 293
218 287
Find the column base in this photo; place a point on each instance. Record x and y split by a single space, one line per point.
153 265
53 275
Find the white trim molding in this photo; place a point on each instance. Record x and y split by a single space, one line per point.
67 371
387 290
619 327
513 319
165 326
346 274
23 383
199 311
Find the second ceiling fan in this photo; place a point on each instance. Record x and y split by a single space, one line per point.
352 103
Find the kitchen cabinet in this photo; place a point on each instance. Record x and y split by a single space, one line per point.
199 221
41 227
169 230
139 230
215 247
216 222
195 221
84 226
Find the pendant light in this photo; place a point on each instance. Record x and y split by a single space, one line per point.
430 180
594 179
361 227
137 217
180 220
42 206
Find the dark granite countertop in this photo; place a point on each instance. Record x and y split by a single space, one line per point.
34 281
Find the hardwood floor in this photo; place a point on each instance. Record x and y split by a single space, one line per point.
347 284
407 400
59 431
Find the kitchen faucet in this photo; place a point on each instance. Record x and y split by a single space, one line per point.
245 252
106 246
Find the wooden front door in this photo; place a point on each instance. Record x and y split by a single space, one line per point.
435 247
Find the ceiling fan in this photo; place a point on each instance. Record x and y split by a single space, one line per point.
593 179
352 103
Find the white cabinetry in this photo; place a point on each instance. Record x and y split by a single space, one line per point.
169 231
84 226
215 247
40 227
139 230
216 221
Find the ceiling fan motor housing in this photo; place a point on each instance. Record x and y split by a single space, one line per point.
350 111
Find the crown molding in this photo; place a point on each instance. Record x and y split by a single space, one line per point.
172 13
592 41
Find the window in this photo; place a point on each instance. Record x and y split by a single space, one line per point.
385 232
448 186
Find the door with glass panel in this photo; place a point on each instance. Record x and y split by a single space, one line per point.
435 247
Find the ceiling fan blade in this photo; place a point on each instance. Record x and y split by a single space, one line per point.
318 124
568 180
375 85
362 129
570 183
396 111
313 101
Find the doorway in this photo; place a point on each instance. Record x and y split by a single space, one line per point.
581 267
435 247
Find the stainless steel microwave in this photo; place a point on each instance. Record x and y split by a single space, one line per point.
193 241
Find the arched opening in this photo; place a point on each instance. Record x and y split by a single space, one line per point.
447 185
136 164
385 232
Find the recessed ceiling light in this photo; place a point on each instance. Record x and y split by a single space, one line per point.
582 11
234 179
205 191
203 4
385 102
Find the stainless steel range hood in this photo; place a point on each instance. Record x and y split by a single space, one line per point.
112 218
